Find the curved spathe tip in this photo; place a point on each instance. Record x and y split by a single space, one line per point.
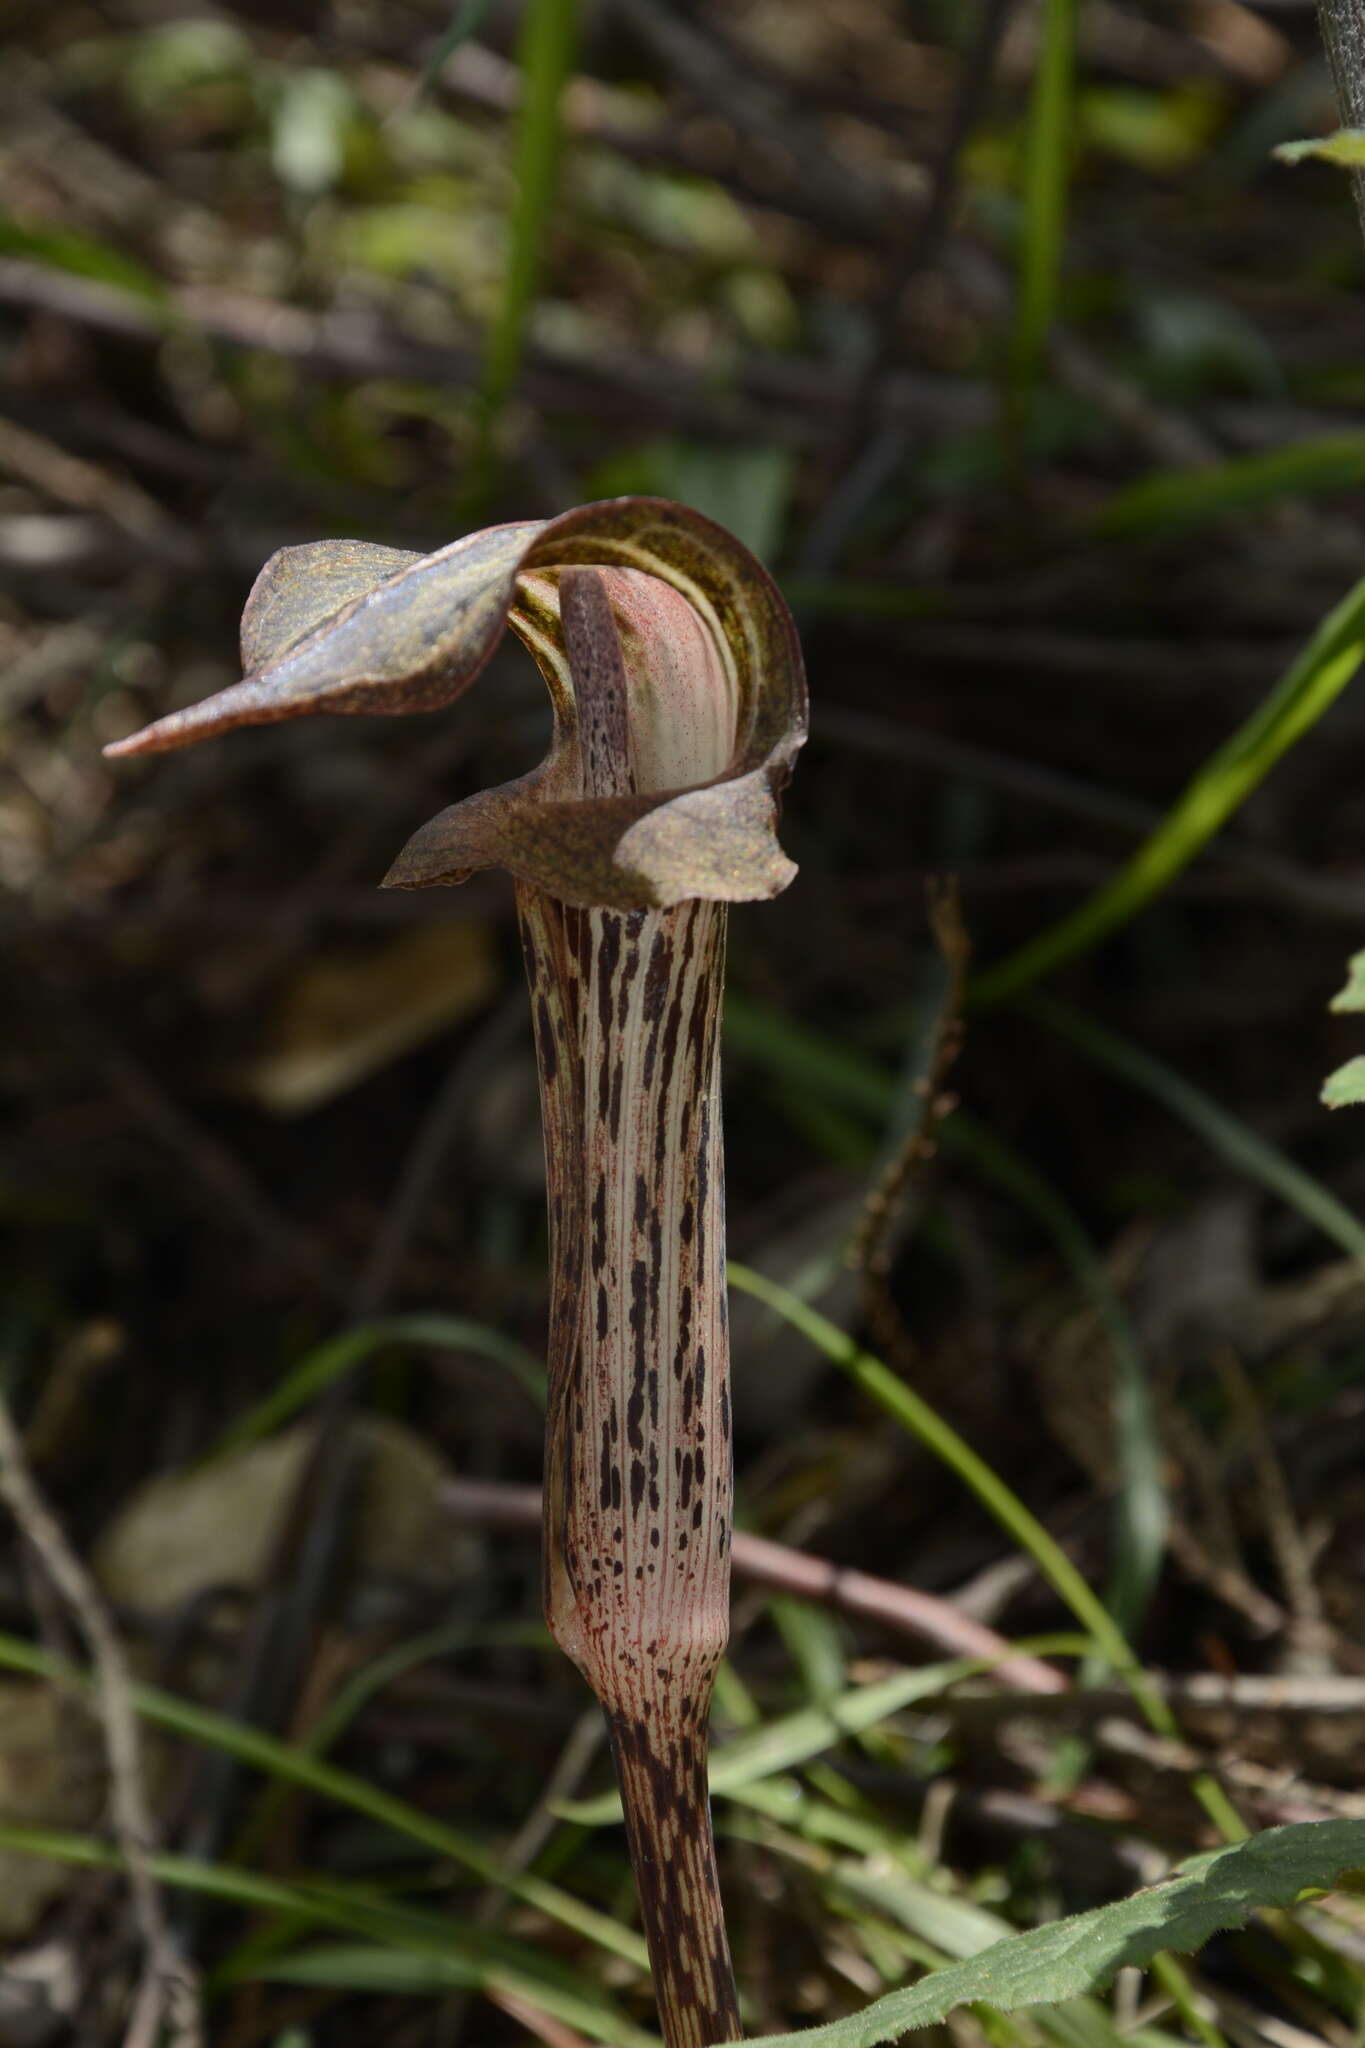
344 627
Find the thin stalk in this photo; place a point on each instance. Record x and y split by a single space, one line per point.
638 1484
546 52
1343 31
1042 230
637 1459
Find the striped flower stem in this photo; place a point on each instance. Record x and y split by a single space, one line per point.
679 707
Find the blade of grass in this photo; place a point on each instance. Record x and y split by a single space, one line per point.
1175 1982
402 1973
914 1414
792 1739
329 1361
811 1064
1314 680
1172 501
1242 1148
548 38
355 1691
282 1760
1047 152
452 1952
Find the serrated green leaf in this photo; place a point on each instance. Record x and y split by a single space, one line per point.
1352 997
1345 148
1083 1953
1347 1086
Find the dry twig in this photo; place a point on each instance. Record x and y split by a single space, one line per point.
872 1249
900 1609
168 1992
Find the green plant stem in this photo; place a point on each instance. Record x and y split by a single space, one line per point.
548 40
1174 1981
1311 684
1046 163
1000 1501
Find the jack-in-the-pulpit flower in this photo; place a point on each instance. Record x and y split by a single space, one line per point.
679 706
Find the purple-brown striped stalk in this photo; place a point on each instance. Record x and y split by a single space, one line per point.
679 706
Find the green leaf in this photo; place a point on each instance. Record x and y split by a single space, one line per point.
1347 1086
1083 1953
909 1409
1346 148
1047 155
1352 997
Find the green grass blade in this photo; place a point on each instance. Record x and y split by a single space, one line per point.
331 1360
1241 1147
914 1414
1311 684
548 39
1173 501
1174 1981
282 1760
423 1950
1043 221
814 1066
405 1973
793 1739
896 1399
